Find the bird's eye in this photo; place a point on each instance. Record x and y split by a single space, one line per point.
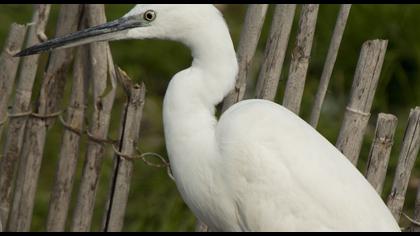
149 15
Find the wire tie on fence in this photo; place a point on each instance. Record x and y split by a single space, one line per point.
414 222
20 114
46 116
142 156
169 172
33 114
69 127
165 162
120 154
100 140
358 112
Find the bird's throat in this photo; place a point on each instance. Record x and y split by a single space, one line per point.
189 113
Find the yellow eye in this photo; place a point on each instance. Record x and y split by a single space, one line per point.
149 15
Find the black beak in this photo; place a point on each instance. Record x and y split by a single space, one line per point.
113 30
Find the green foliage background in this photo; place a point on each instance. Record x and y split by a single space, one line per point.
154 203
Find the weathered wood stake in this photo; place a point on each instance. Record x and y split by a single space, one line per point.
104 88
37 126
340 25
123 166
300 58
275 51
248 42
8 68
408 154
357 112
21 106
380 150
69 152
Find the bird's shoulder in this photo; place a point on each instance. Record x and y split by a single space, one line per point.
262 122
271 156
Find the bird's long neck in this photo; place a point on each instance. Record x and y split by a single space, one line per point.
190 100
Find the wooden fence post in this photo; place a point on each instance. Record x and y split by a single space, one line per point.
275 51
408 154
8 68
104 88
380 150
123 164
37 125
300 58
248 42
340 25
357 112
20 109
69 154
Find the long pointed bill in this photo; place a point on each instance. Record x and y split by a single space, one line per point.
105 32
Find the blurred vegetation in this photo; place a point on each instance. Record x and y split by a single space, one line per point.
154 203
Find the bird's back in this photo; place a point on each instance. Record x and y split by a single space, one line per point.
282 175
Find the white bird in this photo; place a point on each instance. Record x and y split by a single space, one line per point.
259 167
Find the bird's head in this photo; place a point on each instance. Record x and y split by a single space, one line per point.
163 21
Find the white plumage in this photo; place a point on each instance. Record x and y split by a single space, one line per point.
260 167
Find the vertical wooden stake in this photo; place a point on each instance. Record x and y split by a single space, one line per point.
104 88
300 58
37 126
16 128
69 152
408 154
380 150
275 51
8 68
357 113
123 168
248 42
340 25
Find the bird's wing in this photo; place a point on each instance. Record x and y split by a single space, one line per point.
284 175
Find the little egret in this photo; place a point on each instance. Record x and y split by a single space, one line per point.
259 167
